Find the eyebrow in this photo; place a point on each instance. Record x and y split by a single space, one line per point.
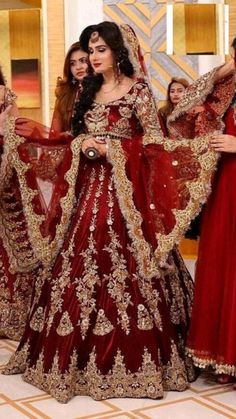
81 58
98 46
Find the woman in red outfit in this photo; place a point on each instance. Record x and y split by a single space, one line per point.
111 277
212 338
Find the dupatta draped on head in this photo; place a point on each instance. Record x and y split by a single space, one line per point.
160 183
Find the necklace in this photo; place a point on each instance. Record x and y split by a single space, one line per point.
111 90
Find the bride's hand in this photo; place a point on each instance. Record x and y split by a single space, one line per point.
223 143
3 117
92 143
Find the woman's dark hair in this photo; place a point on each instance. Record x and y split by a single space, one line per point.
2 80
91 84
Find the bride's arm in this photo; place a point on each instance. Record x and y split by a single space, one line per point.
224 71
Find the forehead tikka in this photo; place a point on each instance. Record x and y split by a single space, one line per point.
94 37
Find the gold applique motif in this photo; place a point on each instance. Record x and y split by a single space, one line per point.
145 321
102 326
117 286
65 326
38 319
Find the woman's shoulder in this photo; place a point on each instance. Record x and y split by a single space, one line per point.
141 85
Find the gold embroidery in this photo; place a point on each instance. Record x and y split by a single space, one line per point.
38 319
152 298
65 326
146 381
13 228
122 128
45 251
102 326
64 279
97 119
146 264
196 94
122 383
14 302
117 287
174 373
203 359
86 283
85 286
145 321
198 190
17 364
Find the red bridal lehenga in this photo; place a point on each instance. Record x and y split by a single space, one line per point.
212 339
111 308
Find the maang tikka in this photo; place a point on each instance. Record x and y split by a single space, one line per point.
94 37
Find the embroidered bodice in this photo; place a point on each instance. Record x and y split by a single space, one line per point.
134 113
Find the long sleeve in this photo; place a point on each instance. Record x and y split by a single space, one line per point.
146 111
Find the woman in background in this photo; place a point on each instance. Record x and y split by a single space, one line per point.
67 92
175 92
69 87
17 263
212 338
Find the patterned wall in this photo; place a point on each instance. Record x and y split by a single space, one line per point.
148 18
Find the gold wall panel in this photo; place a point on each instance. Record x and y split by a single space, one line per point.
24 34
200 28
179 35
56 44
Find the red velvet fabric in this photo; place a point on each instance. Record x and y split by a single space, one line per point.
97 271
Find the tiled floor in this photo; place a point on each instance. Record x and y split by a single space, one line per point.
203 400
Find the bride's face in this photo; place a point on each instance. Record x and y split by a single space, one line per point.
101 56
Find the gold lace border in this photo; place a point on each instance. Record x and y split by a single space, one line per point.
149 265
149 380
44 250
206 362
